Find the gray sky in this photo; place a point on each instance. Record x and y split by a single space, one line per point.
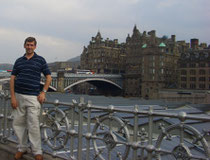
63 27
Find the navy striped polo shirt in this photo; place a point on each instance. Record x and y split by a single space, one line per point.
28 74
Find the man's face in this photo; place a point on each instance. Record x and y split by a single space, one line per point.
30 47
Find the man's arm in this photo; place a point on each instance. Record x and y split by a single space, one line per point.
41 97
14 103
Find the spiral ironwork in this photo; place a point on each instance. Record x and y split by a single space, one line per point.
111 138
55 129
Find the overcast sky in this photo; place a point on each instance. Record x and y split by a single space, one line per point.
63 27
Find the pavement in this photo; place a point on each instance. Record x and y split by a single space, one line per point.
8 150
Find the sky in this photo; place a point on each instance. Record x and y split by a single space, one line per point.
63 27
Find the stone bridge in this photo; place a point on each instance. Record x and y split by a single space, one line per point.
61 81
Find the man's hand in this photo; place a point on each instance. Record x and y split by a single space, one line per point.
14 103
41 97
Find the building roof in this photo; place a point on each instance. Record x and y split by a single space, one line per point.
162 44
144 46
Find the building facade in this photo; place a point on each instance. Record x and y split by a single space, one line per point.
151 64
104 56
194 66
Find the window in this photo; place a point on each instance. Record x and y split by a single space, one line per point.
183 72
183 65
192 65
202 86
183 85
151 71
192 86
150 58
192 78
192 72
202 78
202 64
202 72
183 78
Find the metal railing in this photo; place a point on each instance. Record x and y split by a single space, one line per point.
79 130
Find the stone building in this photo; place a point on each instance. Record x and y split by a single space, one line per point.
104 56
65 66
151 64
194 66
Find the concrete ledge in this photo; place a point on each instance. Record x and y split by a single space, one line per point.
8 150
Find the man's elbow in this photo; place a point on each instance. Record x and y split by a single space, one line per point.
12 78
49 78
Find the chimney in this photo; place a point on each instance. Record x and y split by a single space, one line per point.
194 43
173 37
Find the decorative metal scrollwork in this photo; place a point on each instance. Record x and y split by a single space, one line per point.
55 127
108 138
181 151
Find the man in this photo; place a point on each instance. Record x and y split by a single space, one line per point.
26 98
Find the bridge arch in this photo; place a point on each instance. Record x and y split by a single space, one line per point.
92 79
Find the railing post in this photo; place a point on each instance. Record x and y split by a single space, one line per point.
9 117
80 128
1 114
110 109
72 130
5 115
150 146
88 135
135 132
182 116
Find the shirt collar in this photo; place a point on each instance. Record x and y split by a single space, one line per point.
35 55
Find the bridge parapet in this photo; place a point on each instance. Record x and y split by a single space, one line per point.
62 80
5 74
92 75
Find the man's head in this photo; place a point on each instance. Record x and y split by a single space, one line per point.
30 45
30 39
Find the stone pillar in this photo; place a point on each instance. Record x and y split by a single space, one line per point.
207 97
60 81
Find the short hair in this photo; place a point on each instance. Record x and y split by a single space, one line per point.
30 39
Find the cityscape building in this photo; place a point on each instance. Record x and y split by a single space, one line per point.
194 66
150 64
104 56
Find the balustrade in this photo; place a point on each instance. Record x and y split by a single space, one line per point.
80 130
